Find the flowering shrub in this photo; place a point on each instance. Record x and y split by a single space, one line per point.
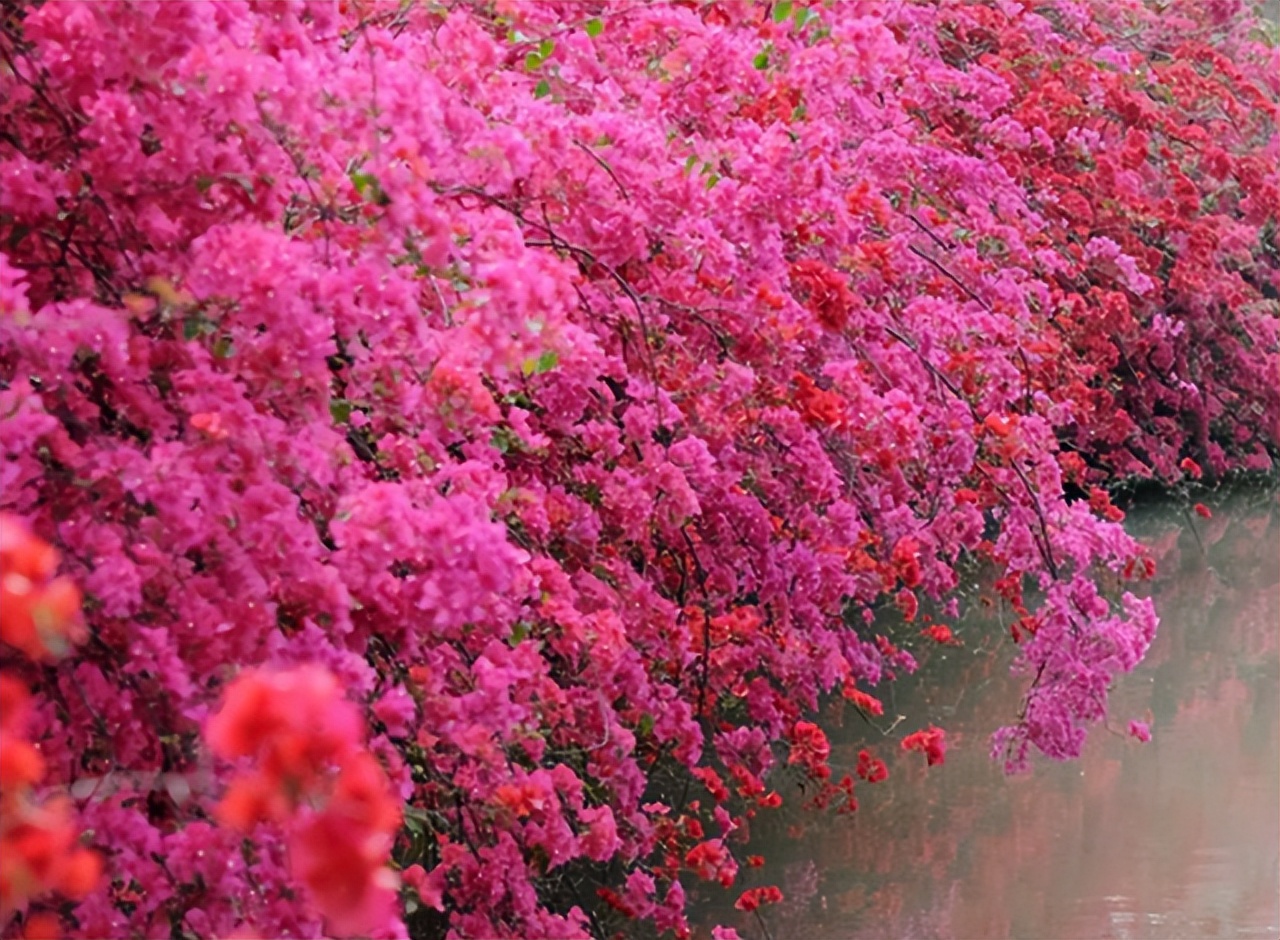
562 390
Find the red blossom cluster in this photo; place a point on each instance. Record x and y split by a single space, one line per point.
810 749
712 861
39 610
753 898
931 742
871 769
310 772
40 850
868 703
940 633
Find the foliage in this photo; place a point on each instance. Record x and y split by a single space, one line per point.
574 383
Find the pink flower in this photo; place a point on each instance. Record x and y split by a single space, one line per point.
1140 730
429 886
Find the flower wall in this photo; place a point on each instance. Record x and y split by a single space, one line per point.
481 432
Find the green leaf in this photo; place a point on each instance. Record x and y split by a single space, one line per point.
802 16
688 164
504 440
546 47
544 363
518 633
224 347
761 61
781 10
645 725
532 61
712 180
361 181
594 27
340 410
542 89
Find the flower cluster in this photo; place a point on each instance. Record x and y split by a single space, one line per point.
931 742
309 771
40 850
39 611
752 899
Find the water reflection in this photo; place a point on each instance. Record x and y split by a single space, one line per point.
1178 838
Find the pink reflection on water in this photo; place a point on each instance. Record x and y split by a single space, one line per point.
1178 838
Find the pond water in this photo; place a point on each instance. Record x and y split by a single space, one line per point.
1177 838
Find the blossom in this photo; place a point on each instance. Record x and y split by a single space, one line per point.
312 774
868 703
1140 730
294 723
751 899
39 613
940 633
1203 511
429 886
1191 468
932 742
810 748
871 769
711 861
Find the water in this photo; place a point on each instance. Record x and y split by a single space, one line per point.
1178 838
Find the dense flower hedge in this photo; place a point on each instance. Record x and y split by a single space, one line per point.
568 387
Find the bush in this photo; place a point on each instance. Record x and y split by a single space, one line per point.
576 384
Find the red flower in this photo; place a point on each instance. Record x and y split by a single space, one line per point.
1100 502
871 769
344 866
1203 511
1000 425
818 406
523 799
824 290
1191 468
867 703
210 424
905 559
296 723
908 603
711 861
810 748
712 781
932 742
39 614
752 898
940 633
